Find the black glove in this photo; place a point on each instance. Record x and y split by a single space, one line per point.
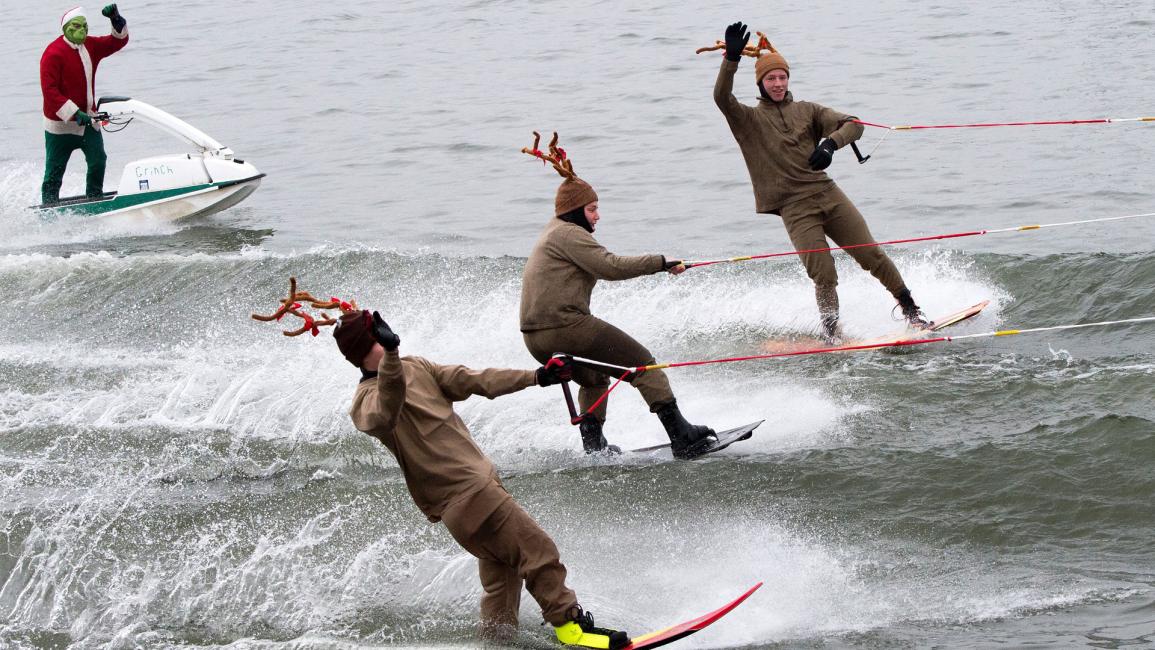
822 155
82 118
669 264
113 14
383 335
737 36
555 371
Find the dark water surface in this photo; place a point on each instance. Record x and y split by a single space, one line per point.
175 475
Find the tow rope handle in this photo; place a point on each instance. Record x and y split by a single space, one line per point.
574 418
561 359
858 154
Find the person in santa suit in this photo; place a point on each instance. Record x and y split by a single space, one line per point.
68 84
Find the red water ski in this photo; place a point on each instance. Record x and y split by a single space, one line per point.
682 630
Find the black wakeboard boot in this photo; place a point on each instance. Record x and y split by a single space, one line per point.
911 312
593 441
686 440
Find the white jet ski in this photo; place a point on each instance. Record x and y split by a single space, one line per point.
165 187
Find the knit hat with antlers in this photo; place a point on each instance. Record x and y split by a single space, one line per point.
573 192
353 330
766 58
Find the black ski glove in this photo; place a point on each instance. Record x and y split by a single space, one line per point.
737 36
383 335
113 14
822 155
555 371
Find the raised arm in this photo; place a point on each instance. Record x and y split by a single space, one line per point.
737 37
724 93
380 410
103 46
582 249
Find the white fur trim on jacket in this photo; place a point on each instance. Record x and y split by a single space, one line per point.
56 127
67 111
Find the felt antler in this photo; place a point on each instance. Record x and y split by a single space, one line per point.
292 305
751 50
556 156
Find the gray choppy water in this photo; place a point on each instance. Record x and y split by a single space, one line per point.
176 475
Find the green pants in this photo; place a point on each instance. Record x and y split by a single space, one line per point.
830 213
596 339
58 148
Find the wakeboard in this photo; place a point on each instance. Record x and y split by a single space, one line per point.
683 630
802 343
725 439
939 324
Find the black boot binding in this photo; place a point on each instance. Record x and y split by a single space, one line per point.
910 311
592 439
687 440
831 330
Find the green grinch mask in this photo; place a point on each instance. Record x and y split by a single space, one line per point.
76 30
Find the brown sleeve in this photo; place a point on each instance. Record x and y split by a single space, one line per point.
724 93
582 249
459 382
839 127
380 411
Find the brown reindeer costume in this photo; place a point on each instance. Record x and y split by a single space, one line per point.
559 278
407 404
776 140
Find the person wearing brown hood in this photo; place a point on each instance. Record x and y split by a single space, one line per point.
787 144
407 404
559 277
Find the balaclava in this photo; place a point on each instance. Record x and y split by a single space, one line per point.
354 336
768 59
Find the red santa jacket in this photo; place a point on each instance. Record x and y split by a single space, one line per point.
68 78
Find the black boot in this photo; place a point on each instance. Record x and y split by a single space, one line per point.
687 440
592 439
910 311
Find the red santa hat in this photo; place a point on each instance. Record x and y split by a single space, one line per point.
75 12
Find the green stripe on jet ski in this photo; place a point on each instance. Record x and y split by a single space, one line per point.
119 202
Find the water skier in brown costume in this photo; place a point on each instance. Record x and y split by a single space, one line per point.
407 404
560 274
787 144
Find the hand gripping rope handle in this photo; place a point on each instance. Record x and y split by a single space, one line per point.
562 360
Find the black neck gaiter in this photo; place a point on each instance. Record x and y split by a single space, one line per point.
577 216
